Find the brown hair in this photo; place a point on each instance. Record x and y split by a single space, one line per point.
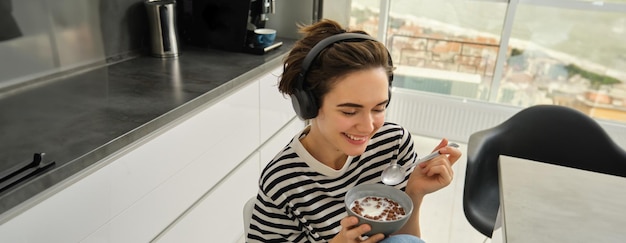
333 62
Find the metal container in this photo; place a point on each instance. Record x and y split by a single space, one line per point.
163 35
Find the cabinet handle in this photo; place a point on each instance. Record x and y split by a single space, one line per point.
20 173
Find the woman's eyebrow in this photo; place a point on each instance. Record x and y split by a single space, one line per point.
353 105
350 105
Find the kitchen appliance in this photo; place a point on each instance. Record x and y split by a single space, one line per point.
162 19
224 24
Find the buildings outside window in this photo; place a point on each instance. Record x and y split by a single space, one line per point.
518 52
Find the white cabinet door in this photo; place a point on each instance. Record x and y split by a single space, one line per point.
273 146
276 109
218 217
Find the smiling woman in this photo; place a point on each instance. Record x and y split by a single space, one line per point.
339 80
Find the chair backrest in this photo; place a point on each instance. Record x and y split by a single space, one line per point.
247 215
547 133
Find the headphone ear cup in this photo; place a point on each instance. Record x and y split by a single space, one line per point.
304 104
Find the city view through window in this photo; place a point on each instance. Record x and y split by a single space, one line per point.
569 53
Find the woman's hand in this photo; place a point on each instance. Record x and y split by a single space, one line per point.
351 232
434 174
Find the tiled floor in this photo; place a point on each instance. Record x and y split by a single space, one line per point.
442 218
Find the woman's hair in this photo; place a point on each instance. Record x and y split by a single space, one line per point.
335 61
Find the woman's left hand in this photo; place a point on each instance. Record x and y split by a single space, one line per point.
434 174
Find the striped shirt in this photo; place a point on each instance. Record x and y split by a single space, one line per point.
301 200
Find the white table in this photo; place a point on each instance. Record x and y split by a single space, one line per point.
541 202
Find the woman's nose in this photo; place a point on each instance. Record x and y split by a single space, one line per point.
366 123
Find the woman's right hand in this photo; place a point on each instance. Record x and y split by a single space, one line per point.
351 232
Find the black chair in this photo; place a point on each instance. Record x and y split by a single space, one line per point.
547 133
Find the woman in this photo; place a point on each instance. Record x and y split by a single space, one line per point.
340 82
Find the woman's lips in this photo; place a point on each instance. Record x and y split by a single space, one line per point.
354 139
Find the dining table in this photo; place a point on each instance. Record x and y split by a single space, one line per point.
543 202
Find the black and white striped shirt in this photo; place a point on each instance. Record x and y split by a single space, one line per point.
301 200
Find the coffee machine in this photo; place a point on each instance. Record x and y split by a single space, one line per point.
224 24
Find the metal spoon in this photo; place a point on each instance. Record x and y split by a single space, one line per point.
394 174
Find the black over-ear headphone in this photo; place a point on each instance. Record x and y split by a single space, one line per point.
303 100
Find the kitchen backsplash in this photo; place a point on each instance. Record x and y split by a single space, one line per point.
43 38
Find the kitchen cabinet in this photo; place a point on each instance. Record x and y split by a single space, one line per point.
218 216
143 191
280 139
276 109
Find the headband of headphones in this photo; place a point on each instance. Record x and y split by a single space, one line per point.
303 101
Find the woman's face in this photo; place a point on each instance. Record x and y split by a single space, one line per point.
354 110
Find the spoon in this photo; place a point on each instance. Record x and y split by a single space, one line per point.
394 174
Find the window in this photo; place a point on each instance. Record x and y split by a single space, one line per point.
518 52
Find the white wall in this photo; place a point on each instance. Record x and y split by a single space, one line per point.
288 14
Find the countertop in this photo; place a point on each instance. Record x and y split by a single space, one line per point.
79 119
